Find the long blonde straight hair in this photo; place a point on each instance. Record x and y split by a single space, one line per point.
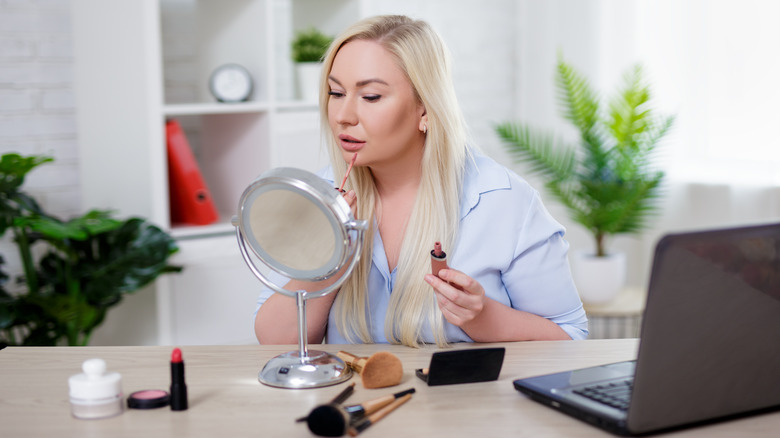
421 54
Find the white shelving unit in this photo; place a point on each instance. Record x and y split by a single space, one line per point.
140 62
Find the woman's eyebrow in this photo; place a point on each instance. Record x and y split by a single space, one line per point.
369 81
360 83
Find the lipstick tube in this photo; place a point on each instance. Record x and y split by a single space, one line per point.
438 259
178 386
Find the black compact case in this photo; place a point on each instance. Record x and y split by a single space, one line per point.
463 366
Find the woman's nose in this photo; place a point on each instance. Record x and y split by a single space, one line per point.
346 112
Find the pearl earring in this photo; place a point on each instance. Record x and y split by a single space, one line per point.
425 129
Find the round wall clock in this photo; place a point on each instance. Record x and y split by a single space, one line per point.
231 83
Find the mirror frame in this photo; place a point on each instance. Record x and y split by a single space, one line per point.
303 368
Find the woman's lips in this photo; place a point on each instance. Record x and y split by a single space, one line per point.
350 144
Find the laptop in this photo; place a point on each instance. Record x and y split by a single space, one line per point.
709 347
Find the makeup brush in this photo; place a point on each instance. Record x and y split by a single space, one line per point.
378 415
380 370
334 420
337 400
349 169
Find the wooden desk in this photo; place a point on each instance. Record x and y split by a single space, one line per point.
226 399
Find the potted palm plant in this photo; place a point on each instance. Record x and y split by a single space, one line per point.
308 49
608 183
74 270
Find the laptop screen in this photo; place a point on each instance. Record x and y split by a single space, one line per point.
709 340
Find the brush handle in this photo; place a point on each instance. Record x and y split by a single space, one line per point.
354 362
378 415
343 395
367 408
376 404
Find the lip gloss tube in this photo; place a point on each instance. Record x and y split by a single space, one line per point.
438 259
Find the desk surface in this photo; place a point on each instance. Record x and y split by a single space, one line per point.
227 400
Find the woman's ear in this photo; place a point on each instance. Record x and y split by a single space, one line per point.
423 122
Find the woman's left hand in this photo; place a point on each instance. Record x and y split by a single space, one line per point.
460 297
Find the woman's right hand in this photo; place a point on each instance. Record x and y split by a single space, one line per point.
351 199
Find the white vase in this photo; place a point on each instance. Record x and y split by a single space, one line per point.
598 279
308 78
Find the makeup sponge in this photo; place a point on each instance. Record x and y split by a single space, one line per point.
380 370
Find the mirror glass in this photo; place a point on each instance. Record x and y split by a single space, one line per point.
297 224
293 233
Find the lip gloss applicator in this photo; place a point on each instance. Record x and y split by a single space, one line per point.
178 387
349 169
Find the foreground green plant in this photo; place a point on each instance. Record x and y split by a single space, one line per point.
608 184
86 264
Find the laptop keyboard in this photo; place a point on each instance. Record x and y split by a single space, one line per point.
616 394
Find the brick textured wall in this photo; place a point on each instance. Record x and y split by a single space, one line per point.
37 109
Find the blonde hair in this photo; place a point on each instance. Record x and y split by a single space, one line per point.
420 53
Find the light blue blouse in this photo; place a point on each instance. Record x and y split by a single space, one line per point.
508 242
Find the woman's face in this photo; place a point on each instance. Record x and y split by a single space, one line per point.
372 108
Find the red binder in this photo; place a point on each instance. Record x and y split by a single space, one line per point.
190 199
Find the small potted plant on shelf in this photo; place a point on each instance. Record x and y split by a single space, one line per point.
608 184
74 271
308 49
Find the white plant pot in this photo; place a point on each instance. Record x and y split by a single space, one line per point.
598 279
308 77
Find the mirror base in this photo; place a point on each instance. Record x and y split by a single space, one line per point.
319 369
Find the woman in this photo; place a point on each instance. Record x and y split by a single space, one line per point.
387 96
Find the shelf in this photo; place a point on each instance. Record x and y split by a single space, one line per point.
184 232
194 109
296 105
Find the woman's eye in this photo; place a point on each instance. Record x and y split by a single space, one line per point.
335 93
372 97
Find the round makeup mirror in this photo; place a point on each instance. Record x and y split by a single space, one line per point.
299 228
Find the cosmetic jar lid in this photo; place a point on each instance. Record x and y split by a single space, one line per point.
95 383
148 399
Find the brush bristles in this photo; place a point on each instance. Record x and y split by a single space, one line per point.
327 420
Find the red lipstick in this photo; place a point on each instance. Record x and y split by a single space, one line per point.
349 169
438 259
178 387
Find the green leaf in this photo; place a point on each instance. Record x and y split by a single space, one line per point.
14 168
130 257
579 103
545 156
7 313
79 228
13 202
